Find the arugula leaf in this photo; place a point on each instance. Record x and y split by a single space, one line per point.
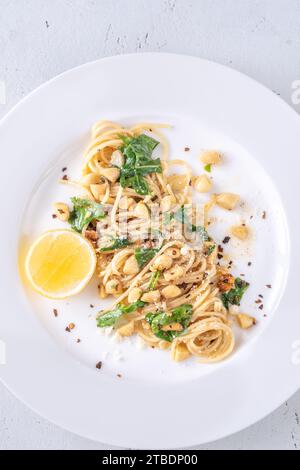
200 231
84 211
168 217
136 182
153 280
157 321
208 167
110 318
182 314
117 243
140 147
210 250
181 216
138 162
144 255
234 296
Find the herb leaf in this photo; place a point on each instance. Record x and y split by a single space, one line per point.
84 211
117 243
168 217
110 318
153 280
138 162
144 255
201 231
210 250
136 182
181 216
234 296
181 314
208 167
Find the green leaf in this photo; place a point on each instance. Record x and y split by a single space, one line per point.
157 321
201 231
208 168
153 280
168 217
181 216
144 255
210 250
234 296
141 147
110 318
182 314
116 244
84 211
136 182
138 162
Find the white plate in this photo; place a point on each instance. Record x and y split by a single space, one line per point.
156 403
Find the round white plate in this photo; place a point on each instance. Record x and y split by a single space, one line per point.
155 403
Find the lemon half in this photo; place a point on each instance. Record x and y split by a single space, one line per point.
60 263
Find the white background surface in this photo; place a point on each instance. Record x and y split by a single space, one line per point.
41 38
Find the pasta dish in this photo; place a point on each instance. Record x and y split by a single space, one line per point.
154 254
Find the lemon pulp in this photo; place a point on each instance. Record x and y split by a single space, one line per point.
60 263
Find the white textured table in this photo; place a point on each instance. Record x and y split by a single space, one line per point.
41 38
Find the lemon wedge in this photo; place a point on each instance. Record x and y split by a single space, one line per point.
60 263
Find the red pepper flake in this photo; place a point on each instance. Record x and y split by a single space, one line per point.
54 216
219 256
269 286
226 239
70 327
261 307
99 365
55 312
220 248
65 178
64 169
187 149
264 215
258 301
119 375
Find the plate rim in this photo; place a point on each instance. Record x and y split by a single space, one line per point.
106 59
